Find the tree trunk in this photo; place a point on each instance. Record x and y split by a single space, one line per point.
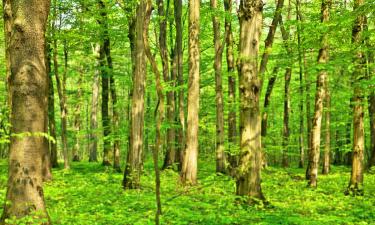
248 179
159 113
269 40
93 148
170 156
301 93
327 146
314 154
77 118
355 186
180 132
286 131
232 123
267 98
220 154
134 158
62 98
51 112
190 159
371 109
29 92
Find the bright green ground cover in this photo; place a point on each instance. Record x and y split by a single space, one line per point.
92 194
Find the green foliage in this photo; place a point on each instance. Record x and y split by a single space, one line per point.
92 194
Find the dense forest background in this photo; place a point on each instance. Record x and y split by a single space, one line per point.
282 87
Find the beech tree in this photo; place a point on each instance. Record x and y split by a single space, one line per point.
29 93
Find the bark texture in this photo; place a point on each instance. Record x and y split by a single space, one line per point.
134 158
190 159
29 92
248 179
314 154
355 186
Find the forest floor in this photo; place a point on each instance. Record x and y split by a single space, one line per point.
92 194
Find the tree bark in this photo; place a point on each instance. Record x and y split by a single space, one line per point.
190 159
267 98
134 158
269 39
77 119
314 154
327 146
29 92
232 121
355 186
51 112
286 130
103 67
93 148
180 132
248 181
220 154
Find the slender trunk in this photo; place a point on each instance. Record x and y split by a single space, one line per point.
60 83
159 113
308 106
371 109
327 146
232 123
269 40
301 93
267 98
29 93
220 154
170 156
355 186
51 113
248 180
93 148
134 158
190 159
77 119
314 154
180 137
286 131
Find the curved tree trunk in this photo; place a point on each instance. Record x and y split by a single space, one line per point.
29 92
190 159
248 176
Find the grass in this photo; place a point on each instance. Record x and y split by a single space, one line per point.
92 194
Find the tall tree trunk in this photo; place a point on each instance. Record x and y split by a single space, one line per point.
134 158
190 159
104 70
220 154
301 92
248 179
232 124
314 154
51 112
371 109
29 92
170 156
355 186
327 146
159 113
286 130
77 118
180 132
269 40
93 148
60 83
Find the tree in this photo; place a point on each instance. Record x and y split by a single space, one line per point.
190 159
220 154
312 170
134 158
29 92
355 186
248 180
